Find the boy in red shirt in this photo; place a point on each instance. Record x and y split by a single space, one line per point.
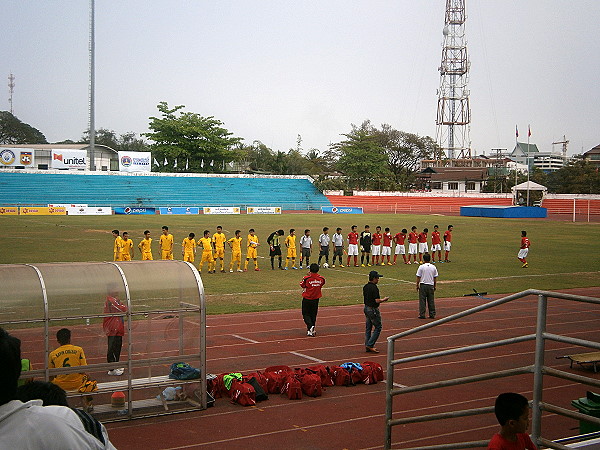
422 240
524 251
376 245
436 246
412 244
311 286
386 250
353 246
399 239
448 242
512 412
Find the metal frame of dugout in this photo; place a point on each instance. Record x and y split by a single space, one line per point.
165 322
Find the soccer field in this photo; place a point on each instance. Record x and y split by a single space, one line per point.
562 255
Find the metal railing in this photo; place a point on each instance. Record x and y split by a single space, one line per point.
538 369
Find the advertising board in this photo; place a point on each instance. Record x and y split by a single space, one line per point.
68 159
179 210
341 210
221 210
134 161
135 210
263 210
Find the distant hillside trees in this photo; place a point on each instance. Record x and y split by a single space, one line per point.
13 131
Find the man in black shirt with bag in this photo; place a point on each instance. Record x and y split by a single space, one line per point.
372 299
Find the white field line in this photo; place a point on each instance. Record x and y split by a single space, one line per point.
245 339
317 360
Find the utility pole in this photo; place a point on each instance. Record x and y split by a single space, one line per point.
11 90
92 129
453 110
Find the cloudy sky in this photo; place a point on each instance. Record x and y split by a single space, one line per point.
273 69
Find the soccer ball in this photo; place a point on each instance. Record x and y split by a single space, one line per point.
325 266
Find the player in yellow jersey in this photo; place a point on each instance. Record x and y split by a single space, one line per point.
207 252
166 244
219 239
118 247
68 355
127 252
290 244
188 248
235 243
251 253
145 246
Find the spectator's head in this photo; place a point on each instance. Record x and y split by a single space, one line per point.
426 257
512 410
49 393
63 336
314 268
10 369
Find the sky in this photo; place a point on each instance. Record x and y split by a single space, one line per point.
271 70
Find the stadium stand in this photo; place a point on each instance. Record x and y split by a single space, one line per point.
154 191
407 204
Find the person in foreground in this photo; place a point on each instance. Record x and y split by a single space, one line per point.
372 299
512 412
30 425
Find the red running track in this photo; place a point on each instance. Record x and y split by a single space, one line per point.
353 417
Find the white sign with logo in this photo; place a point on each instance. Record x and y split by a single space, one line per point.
69 159
17 157
263 210
89 211
134 161
221 210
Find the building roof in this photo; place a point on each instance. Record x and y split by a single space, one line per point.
455 173
60 146
522 148
594 151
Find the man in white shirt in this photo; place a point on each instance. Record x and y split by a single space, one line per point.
305 247
338 246
324 241
426 283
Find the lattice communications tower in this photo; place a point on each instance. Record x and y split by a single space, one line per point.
453 111
11 90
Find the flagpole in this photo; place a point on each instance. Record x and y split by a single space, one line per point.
516 171
528 165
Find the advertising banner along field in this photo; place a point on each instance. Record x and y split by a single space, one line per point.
134 161
221 210
341 210
43 211
69 159
179 210
263 210
17 157
134 210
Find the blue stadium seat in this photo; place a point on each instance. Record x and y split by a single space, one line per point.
154 191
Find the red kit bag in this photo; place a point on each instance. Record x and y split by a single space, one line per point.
323 373
274 382
259 377
341 377
242 393
279 369
377 370
292 388
311 385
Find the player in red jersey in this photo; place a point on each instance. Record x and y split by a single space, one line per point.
387 247
412 244
353 246
448 242
376 245
399 239
524 251
311 286
436 246
422 240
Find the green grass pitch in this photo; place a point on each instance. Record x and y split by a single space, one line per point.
562 255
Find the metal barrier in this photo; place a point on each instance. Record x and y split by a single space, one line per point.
538 369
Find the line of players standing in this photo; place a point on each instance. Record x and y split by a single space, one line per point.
375 248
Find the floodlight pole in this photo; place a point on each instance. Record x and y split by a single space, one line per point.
92 129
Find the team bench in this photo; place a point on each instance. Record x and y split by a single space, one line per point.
592 358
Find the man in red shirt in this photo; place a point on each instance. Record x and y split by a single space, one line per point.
448 242
311 286
399 239
353 246
524 251
376 245
436 246
387 247
422 240
412 243
114 327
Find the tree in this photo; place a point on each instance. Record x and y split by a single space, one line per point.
13 131
125 142
579 177
184 138
362 158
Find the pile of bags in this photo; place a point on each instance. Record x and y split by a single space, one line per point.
246 390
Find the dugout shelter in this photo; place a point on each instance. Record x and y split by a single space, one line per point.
164 323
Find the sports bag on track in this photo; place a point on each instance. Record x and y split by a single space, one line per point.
183 371
311 385
323 373
292 388
242 393
274 382
341 377
260 394
377 370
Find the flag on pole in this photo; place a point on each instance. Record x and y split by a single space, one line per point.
202 164
517 131
186 164
165 161
156 162
529 131
175 164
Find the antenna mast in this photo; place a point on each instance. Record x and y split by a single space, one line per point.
11 90
453 111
